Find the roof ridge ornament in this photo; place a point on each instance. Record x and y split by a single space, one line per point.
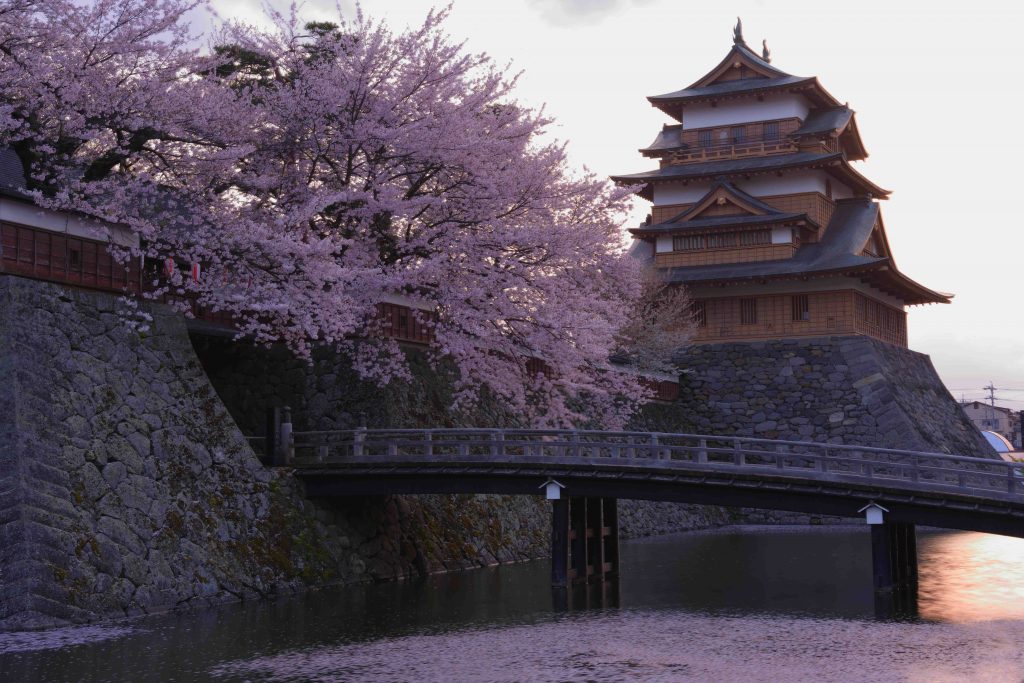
737 33
766 54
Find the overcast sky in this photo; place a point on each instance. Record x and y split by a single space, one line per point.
937 89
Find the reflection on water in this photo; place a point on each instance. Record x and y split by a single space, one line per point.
664 646
970 577
740 604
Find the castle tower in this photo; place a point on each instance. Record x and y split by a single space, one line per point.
759 211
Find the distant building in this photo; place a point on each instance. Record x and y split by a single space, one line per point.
995 419
759 211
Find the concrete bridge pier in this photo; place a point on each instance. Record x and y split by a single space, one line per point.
894 568
584 540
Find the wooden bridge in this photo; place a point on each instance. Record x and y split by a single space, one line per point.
587 471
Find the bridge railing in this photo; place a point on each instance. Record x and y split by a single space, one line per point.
647 449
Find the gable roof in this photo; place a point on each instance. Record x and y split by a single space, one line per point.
982 404
668 138
836 253
832 119
743 55
757 213
836 121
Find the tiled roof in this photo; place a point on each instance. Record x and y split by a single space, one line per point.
825 121
846 235
730 88
729 166
717 222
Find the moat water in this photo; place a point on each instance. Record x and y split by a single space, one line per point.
739 604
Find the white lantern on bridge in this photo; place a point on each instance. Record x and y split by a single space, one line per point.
552 489
873 513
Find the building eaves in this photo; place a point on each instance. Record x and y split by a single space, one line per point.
718 222
836 164
821 121
668 138
837 252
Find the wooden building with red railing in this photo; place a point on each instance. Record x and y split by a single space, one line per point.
758 209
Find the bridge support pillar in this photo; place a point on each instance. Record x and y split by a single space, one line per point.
584 540
894 568
560 543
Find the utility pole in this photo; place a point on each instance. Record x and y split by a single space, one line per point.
992 404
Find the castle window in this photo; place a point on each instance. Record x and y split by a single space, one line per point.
748 311
738 134
687 242
828 188
771 130
722 240
704 138
755 237
700 313
801 307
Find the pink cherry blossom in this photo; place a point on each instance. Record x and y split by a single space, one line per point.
314 169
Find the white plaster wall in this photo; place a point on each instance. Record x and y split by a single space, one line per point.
840 191
791 182
782 235
664 244
782 106
677 193
30 215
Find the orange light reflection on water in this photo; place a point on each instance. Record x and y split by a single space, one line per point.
967 576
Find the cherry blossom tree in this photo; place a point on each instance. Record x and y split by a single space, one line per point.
315 169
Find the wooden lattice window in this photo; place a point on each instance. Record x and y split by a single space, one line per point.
704 138
755 237
801 307
770 131
700 313
722 240
738 134
748 311
687 242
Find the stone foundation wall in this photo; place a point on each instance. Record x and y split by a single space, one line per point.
851 389
126 488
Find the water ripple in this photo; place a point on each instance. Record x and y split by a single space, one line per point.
666 646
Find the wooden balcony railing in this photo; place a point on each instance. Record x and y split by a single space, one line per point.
731 150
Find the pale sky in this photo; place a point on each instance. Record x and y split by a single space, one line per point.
937 91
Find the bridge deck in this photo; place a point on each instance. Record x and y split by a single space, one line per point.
924 488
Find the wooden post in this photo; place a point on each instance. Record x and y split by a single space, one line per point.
702 453
595 540
894 569
881 561
272 435
560 542
610 513
578 539
286 450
